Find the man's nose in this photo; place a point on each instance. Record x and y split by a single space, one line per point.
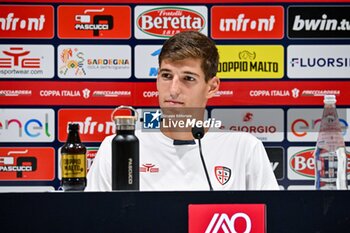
175 87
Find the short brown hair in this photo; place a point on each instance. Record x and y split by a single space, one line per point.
192 44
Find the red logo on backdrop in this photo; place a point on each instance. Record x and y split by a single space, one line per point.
17 56
90 156
249 22
303 163
27 163
94 22
94 124
248 117
228 218
222 174
25 21
168 21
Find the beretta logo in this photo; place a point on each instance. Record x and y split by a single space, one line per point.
303 162
167 21
25 21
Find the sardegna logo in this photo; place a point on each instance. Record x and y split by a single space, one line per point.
154 22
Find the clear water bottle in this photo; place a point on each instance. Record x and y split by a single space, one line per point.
330 153
125 153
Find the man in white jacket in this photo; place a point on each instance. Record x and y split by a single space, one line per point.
169 158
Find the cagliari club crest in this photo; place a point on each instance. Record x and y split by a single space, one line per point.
222 174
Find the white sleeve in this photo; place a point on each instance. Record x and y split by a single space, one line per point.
260 175
99 175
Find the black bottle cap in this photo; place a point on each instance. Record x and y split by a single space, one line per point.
73 126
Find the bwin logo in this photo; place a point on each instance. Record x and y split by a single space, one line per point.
224 223
151 119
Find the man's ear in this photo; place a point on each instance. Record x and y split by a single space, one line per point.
214 84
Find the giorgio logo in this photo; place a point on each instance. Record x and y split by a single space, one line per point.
24 21
27 163
94 22
27 125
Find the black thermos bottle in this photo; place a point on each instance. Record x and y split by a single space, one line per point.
125 154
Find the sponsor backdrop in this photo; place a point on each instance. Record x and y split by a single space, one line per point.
75 62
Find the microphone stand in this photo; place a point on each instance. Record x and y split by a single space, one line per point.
198 133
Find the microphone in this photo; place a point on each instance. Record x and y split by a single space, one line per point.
198 133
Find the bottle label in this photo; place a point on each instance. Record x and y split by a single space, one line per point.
73 165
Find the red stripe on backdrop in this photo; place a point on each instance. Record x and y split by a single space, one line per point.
232 93
171 1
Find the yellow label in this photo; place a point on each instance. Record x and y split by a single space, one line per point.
73 165
251 61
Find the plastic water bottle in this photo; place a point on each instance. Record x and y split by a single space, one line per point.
125 153
330 153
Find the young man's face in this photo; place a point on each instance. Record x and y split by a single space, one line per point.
182 84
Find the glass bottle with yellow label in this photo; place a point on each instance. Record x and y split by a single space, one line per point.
73 161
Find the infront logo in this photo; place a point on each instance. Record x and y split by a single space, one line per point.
236 22
94 124
25 21
228 218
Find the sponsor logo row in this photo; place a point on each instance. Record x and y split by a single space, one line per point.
145 94
159 22
39 125
115 61
38 163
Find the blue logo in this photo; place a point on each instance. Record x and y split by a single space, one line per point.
151 119
153 71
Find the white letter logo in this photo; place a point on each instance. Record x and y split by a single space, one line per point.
215 225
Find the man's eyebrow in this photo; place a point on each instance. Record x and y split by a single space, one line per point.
164 70
191 73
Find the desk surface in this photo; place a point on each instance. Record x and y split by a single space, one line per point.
287 211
